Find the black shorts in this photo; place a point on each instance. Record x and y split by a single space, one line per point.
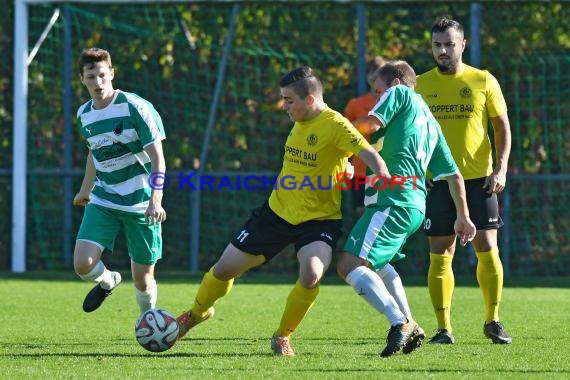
266 233
441 213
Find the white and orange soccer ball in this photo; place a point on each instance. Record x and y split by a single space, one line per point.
156 330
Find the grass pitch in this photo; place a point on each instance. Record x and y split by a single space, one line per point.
45 334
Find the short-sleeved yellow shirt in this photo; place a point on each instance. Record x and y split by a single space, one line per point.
462 104
316 151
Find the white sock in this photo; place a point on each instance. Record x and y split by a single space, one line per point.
101 275
393 283
147 299
369 286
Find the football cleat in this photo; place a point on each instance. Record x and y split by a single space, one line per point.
281 346
186 321
398 335
97 295
414 341
442 336
496 332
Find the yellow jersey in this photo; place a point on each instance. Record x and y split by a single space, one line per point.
316 151
462 104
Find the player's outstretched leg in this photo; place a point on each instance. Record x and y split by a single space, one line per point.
98 294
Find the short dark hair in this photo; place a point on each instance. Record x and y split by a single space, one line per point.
303 82
374 64
397 69
443 23
89 57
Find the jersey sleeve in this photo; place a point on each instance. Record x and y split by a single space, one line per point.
389 104
149 127
347 137
496 105
441 164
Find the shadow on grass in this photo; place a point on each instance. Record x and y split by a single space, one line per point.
296 366
249 349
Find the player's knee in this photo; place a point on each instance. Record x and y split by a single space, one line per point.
83 265
85 257
224 273
309 280
144 284
347 263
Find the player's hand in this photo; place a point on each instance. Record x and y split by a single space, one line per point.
429 183
495 183
155 214
81 199
465 230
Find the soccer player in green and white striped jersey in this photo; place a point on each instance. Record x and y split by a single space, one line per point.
122 185
410 142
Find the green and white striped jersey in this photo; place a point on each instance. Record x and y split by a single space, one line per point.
411 143
117 136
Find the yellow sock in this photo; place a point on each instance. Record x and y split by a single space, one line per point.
441 283
490 278
211 289
299 303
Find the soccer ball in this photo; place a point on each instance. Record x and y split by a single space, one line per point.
156 330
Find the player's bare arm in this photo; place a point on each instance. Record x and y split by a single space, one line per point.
364 125
374 161
495 183
83 196
367 125
155 213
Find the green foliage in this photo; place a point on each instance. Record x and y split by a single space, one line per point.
6 73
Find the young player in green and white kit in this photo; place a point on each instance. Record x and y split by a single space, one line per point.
409 140
124 135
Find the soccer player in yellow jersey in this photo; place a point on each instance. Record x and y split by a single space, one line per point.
303 209
464 99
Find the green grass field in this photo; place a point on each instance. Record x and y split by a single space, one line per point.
45 334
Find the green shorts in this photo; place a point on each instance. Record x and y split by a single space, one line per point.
101 225
380 233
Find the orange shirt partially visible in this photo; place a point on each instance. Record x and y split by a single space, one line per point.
356 108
